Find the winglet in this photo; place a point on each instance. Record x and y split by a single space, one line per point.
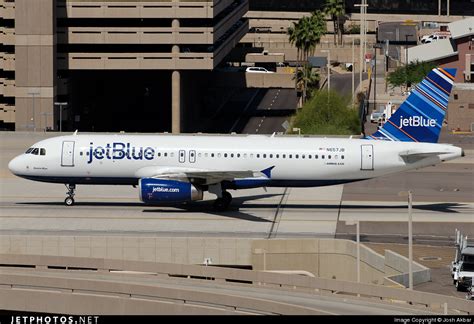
268 172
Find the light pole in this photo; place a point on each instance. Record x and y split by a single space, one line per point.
60 104
376 46
353 71
409 193
406 58
328 68
362 39
46 114
33 93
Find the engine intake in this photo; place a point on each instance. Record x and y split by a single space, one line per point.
158 190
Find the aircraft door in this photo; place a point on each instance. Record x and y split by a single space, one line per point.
192 156
182 156
67 155
367 157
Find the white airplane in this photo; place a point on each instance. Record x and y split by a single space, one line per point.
179 168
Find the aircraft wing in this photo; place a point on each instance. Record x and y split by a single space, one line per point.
199 176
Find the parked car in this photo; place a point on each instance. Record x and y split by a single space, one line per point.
256 69
377 116
432 38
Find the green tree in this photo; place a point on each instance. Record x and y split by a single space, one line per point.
337 11
412 73
306 80
328 114
305 35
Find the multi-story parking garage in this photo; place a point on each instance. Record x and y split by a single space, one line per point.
109 60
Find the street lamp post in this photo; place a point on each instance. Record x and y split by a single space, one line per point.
376 46
409 193
406 58
60 104
353 71
33 93
362 39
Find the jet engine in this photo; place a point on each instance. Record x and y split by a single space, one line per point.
159 190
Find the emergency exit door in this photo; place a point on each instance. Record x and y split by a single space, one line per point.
367 157
67 156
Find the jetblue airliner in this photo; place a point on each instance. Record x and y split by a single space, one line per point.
179 168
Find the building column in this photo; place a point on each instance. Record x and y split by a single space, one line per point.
35 64
176 102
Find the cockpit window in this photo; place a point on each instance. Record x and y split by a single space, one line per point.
35 151
29 150
42 151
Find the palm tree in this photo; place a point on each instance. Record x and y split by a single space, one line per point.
305 35
307 79
336 10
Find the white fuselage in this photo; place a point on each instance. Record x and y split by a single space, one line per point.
297 161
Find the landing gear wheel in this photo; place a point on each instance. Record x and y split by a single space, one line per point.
221 204
69 201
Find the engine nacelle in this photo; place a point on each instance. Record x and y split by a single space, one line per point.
158 190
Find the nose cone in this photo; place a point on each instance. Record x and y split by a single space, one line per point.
15 165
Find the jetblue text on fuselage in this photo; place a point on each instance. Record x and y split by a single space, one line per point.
416 121
120 151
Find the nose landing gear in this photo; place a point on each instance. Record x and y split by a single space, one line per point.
69 201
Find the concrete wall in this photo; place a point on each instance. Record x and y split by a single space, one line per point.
325 258
227 251
461 108
398 266
35 63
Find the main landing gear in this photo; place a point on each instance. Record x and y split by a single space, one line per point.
222 203
69 201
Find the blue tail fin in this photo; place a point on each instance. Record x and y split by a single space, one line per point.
421 115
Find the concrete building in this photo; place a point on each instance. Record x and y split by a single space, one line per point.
461 108
454 52
104 55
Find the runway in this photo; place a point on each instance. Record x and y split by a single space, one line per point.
443 201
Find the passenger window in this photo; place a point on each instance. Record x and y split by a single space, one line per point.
251 156
316 156
212 154
296 156
231 155
290 156
218 155
80 153
258 155
199 154
277 156
264 155
245 155
329 157
166 154
172 154
342 157
309 156
284 156
159 154
206 154
271 156
225 154
302 156
322 156
238 155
